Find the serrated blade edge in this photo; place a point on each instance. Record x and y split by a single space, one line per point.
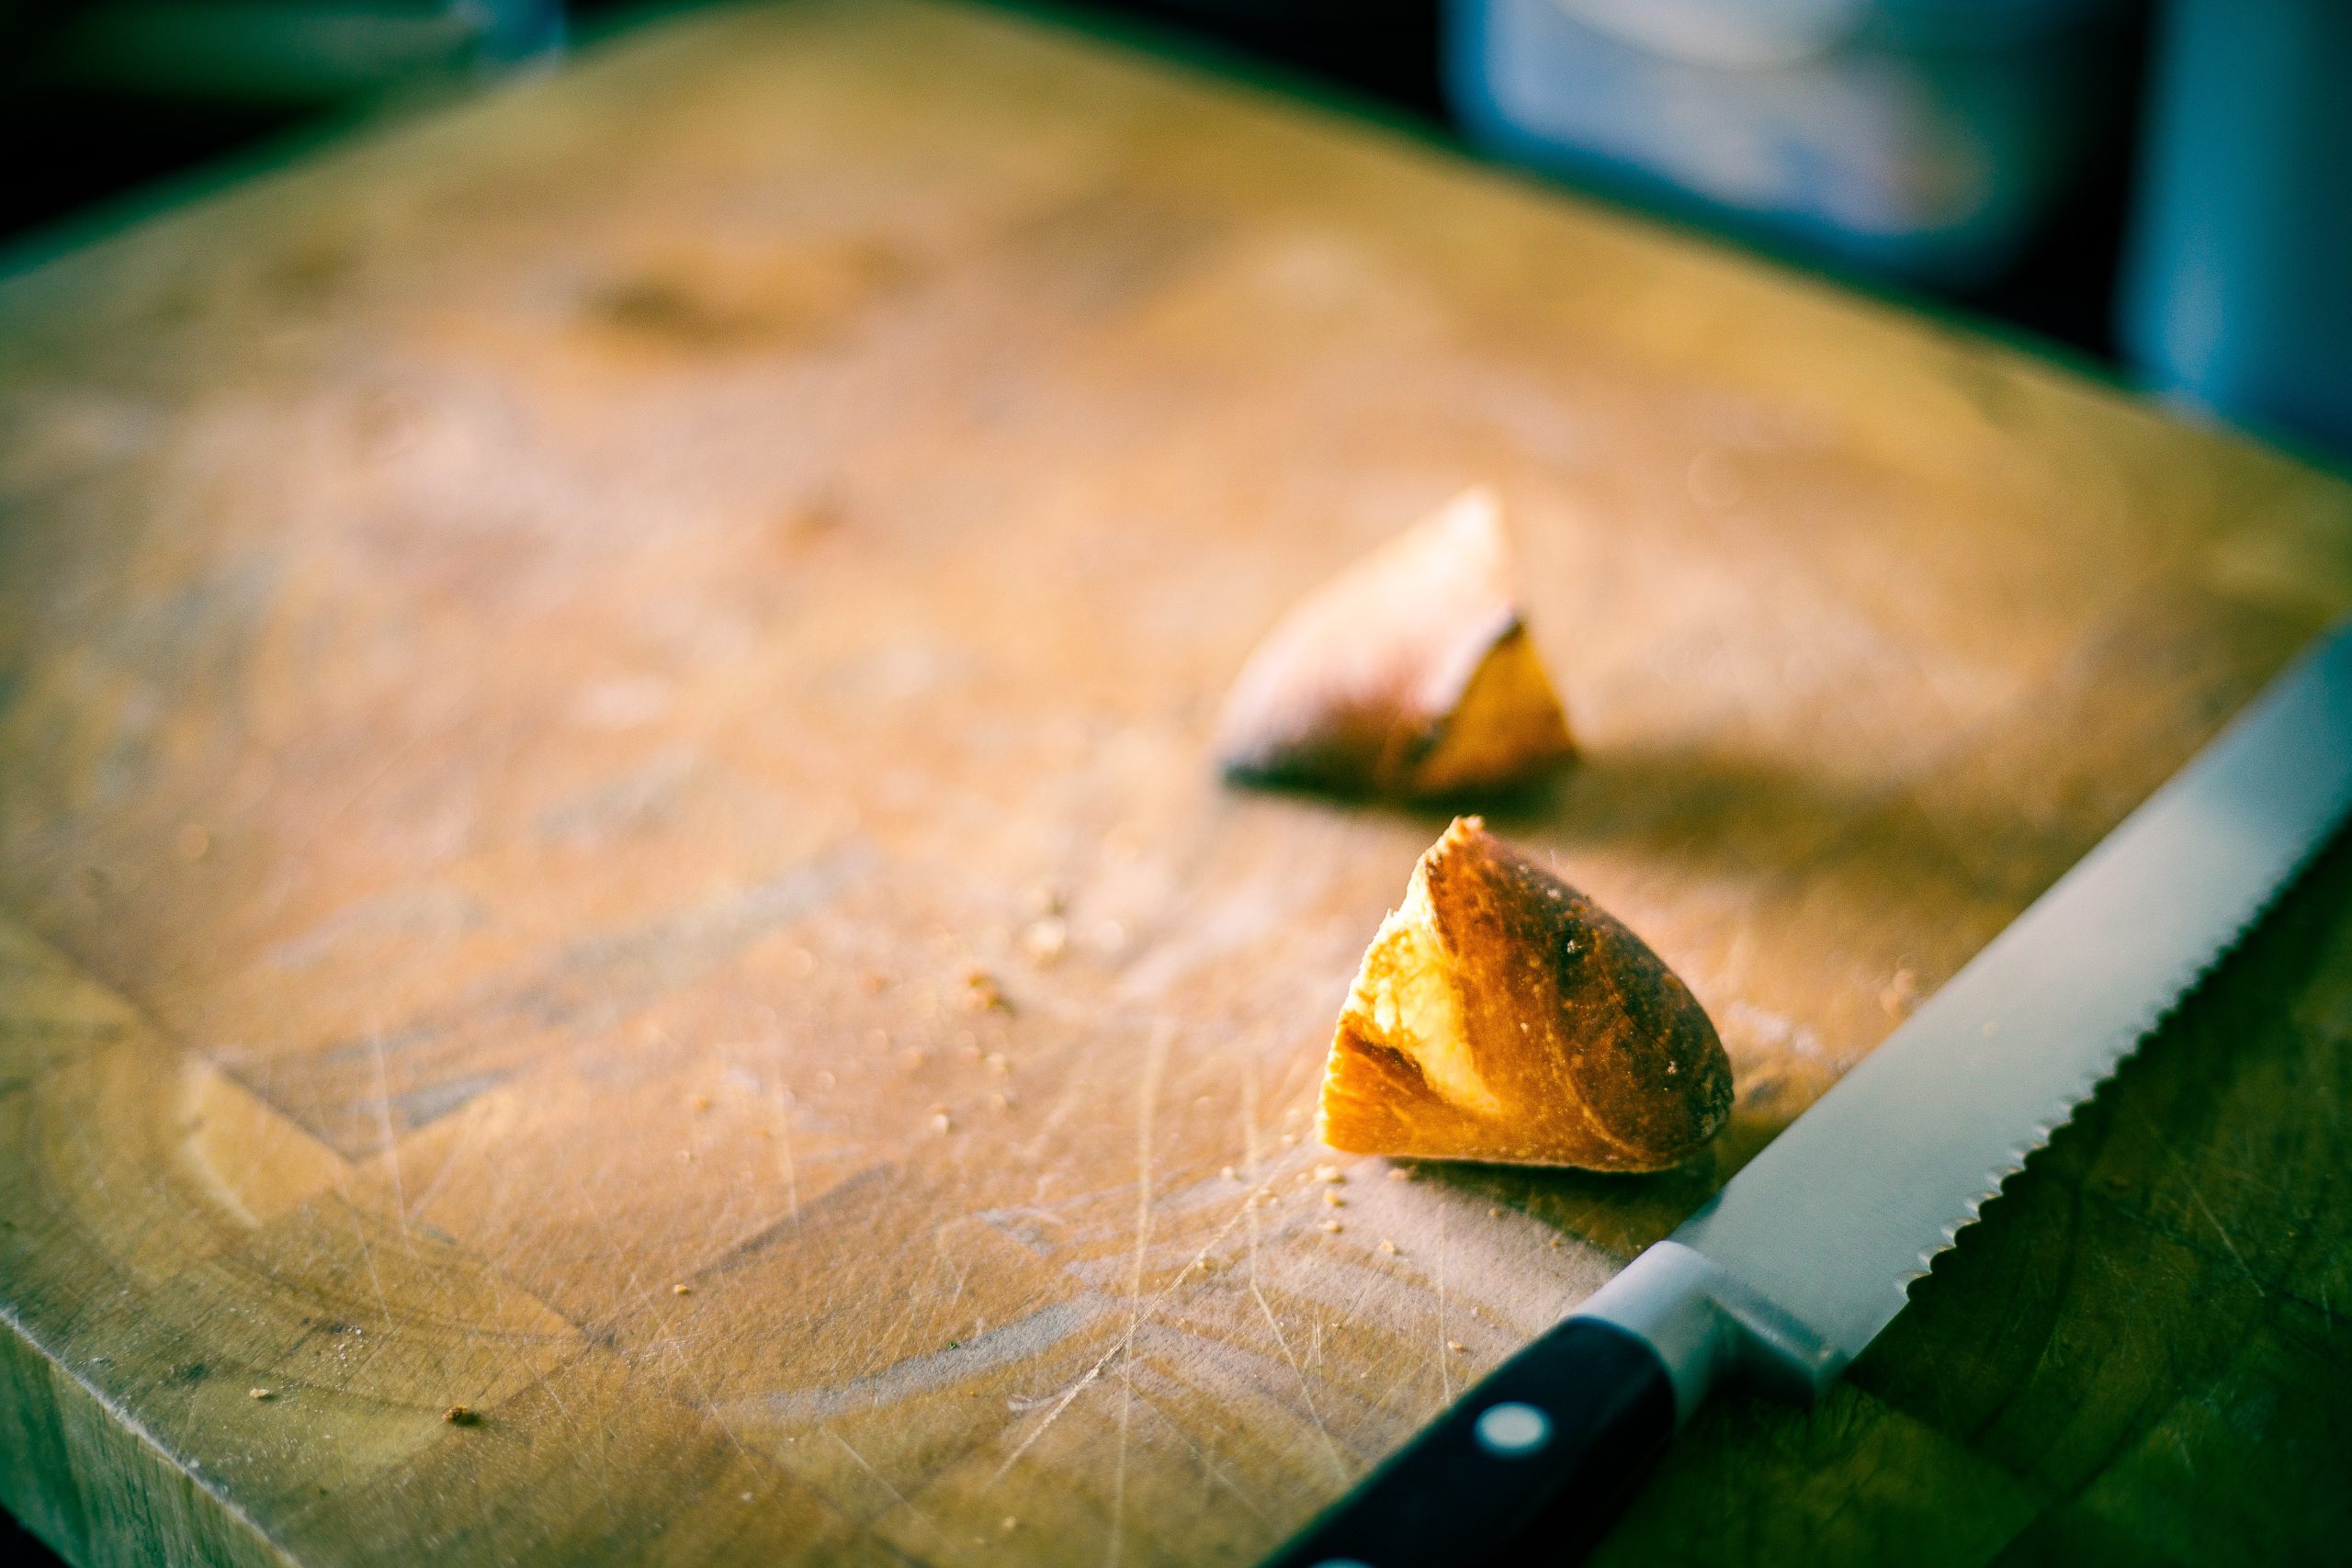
1831 1223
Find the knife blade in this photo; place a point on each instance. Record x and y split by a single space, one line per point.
1785 1275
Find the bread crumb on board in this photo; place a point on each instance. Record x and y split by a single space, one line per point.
982 994
1045 940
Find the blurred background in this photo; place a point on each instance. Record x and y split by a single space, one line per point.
2161 189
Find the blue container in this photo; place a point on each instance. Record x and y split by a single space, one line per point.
2238 270
1922 139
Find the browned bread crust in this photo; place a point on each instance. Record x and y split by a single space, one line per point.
1408 674
1502 1015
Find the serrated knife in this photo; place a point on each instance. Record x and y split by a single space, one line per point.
1789 1271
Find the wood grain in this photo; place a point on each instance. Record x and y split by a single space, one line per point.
541 650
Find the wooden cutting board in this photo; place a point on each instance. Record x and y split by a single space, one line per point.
556 658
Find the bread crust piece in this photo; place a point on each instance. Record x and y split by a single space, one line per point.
1408 674
1500 1015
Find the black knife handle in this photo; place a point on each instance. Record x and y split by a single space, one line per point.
1532 1463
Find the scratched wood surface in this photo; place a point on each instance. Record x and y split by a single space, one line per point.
605 819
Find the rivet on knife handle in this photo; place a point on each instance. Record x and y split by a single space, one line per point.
1541 1453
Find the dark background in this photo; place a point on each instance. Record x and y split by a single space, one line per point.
66 144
